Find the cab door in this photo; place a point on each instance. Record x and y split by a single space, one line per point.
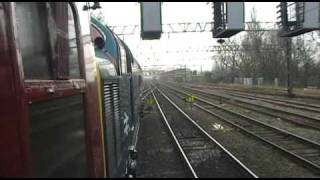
57 92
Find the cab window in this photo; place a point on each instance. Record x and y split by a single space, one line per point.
34 42
47 40
123 58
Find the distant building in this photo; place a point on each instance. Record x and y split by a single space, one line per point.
151 73
177 75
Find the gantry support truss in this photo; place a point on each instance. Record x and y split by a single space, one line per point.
224 48
189 27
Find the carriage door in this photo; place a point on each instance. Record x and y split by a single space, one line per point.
54 87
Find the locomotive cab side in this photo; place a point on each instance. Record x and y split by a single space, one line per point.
119 100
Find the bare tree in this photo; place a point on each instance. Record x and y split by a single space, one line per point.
305 60
251 45
263 54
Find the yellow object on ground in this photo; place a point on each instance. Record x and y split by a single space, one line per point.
150 101
190 98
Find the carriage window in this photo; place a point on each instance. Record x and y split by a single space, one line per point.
3 33
129 59
34 40
123 58
2 28
66 44
47 40
74 68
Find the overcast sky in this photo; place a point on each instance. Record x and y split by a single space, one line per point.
155 53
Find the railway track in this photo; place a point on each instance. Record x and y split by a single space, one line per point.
286 103
272 92
205 156
161 158
300 149
293 117
145 93
229 96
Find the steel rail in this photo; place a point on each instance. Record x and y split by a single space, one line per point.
210 137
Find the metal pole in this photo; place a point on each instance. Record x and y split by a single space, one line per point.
185 73
288 57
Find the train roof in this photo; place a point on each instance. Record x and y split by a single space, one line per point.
112 42
112 45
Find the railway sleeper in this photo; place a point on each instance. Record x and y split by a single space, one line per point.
298 142
296 149
309 152
208 106
290 143
198 147
291 146
285 137
276 136
306 150
313 156
186 134
246 125
243 124
261 130
263 134
192 142
193 138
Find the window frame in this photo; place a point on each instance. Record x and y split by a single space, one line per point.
19 93
39 90
123 57
59 66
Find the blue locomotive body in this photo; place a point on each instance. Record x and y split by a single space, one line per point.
120 78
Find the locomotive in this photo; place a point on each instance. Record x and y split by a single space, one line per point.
69 94
121 86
